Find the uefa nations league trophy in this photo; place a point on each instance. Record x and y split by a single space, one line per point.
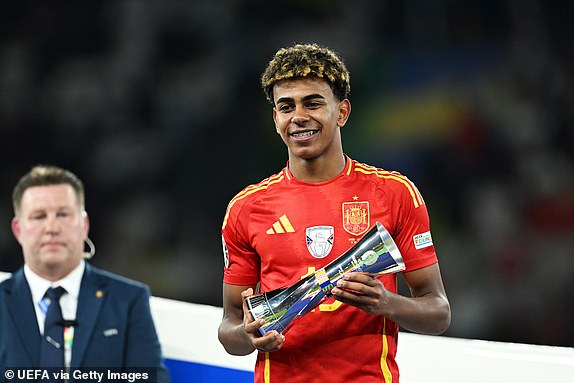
376 253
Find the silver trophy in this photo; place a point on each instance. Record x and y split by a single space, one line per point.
376 253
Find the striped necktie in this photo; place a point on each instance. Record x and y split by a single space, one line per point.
52 350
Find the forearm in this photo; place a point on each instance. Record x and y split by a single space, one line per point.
424 314
233 337
426 311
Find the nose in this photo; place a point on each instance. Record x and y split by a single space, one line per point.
52 224
299 116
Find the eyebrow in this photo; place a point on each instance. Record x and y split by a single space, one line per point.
306 98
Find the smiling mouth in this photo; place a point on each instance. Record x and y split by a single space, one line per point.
304 134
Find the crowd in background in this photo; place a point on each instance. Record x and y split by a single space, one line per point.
157 107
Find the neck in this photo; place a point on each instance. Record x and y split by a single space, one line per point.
318 169
53 274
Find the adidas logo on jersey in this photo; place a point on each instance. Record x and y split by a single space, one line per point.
281 226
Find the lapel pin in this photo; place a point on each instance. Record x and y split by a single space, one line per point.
99 293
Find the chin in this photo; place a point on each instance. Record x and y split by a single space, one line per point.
54 260
305 153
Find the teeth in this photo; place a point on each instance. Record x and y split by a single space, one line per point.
304 134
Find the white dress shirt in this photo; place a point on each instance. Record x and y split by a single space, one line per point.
68 302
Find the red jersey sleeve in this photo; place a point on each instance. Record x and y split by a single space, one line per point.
241 262
412 231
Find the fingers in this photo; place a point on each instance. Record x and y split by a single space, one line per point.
356 288
364 278
252 326
245 294
272 341
363 291
357 283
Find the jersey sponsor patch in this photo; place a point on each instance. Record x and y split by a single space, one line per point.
356 217
225 252
422 240
320 240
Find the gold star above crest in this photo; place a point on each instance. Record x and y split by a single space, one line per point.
355 198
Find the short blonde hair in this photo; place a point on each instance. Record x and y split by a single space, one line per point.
41 175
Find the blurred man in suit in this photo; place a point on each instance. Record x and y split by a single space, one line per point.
59 311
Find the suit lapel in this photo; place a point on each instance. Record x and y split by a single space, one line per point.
21 307
92 295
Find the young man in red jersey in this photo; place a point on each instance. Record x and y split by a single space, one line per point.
300 219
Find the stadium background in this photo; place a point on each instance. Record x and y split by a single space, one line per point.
157 106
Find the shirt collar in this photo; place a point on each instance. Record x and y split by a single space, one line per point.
70 282
346 170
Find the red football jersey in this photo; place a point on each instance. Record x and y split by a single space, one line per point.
281 229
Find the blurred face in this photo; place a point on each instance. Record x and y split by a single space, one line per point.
308 117
51 229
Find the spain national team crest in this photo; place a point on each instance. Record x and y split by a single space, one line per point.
356 219
320 240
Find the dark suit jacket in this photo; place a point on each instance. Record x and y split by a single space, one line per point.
114 325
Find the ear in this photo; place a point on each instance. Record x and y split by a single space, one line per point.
16 230
86 222
344 112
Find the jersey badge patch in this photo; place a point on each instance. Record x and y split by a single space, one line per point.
422 240
320 240
225 252
356 217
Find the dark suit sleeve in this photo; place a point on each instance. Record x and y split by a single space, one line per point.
143 347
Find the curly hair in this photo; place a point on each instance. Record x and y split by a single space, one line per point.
303 60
